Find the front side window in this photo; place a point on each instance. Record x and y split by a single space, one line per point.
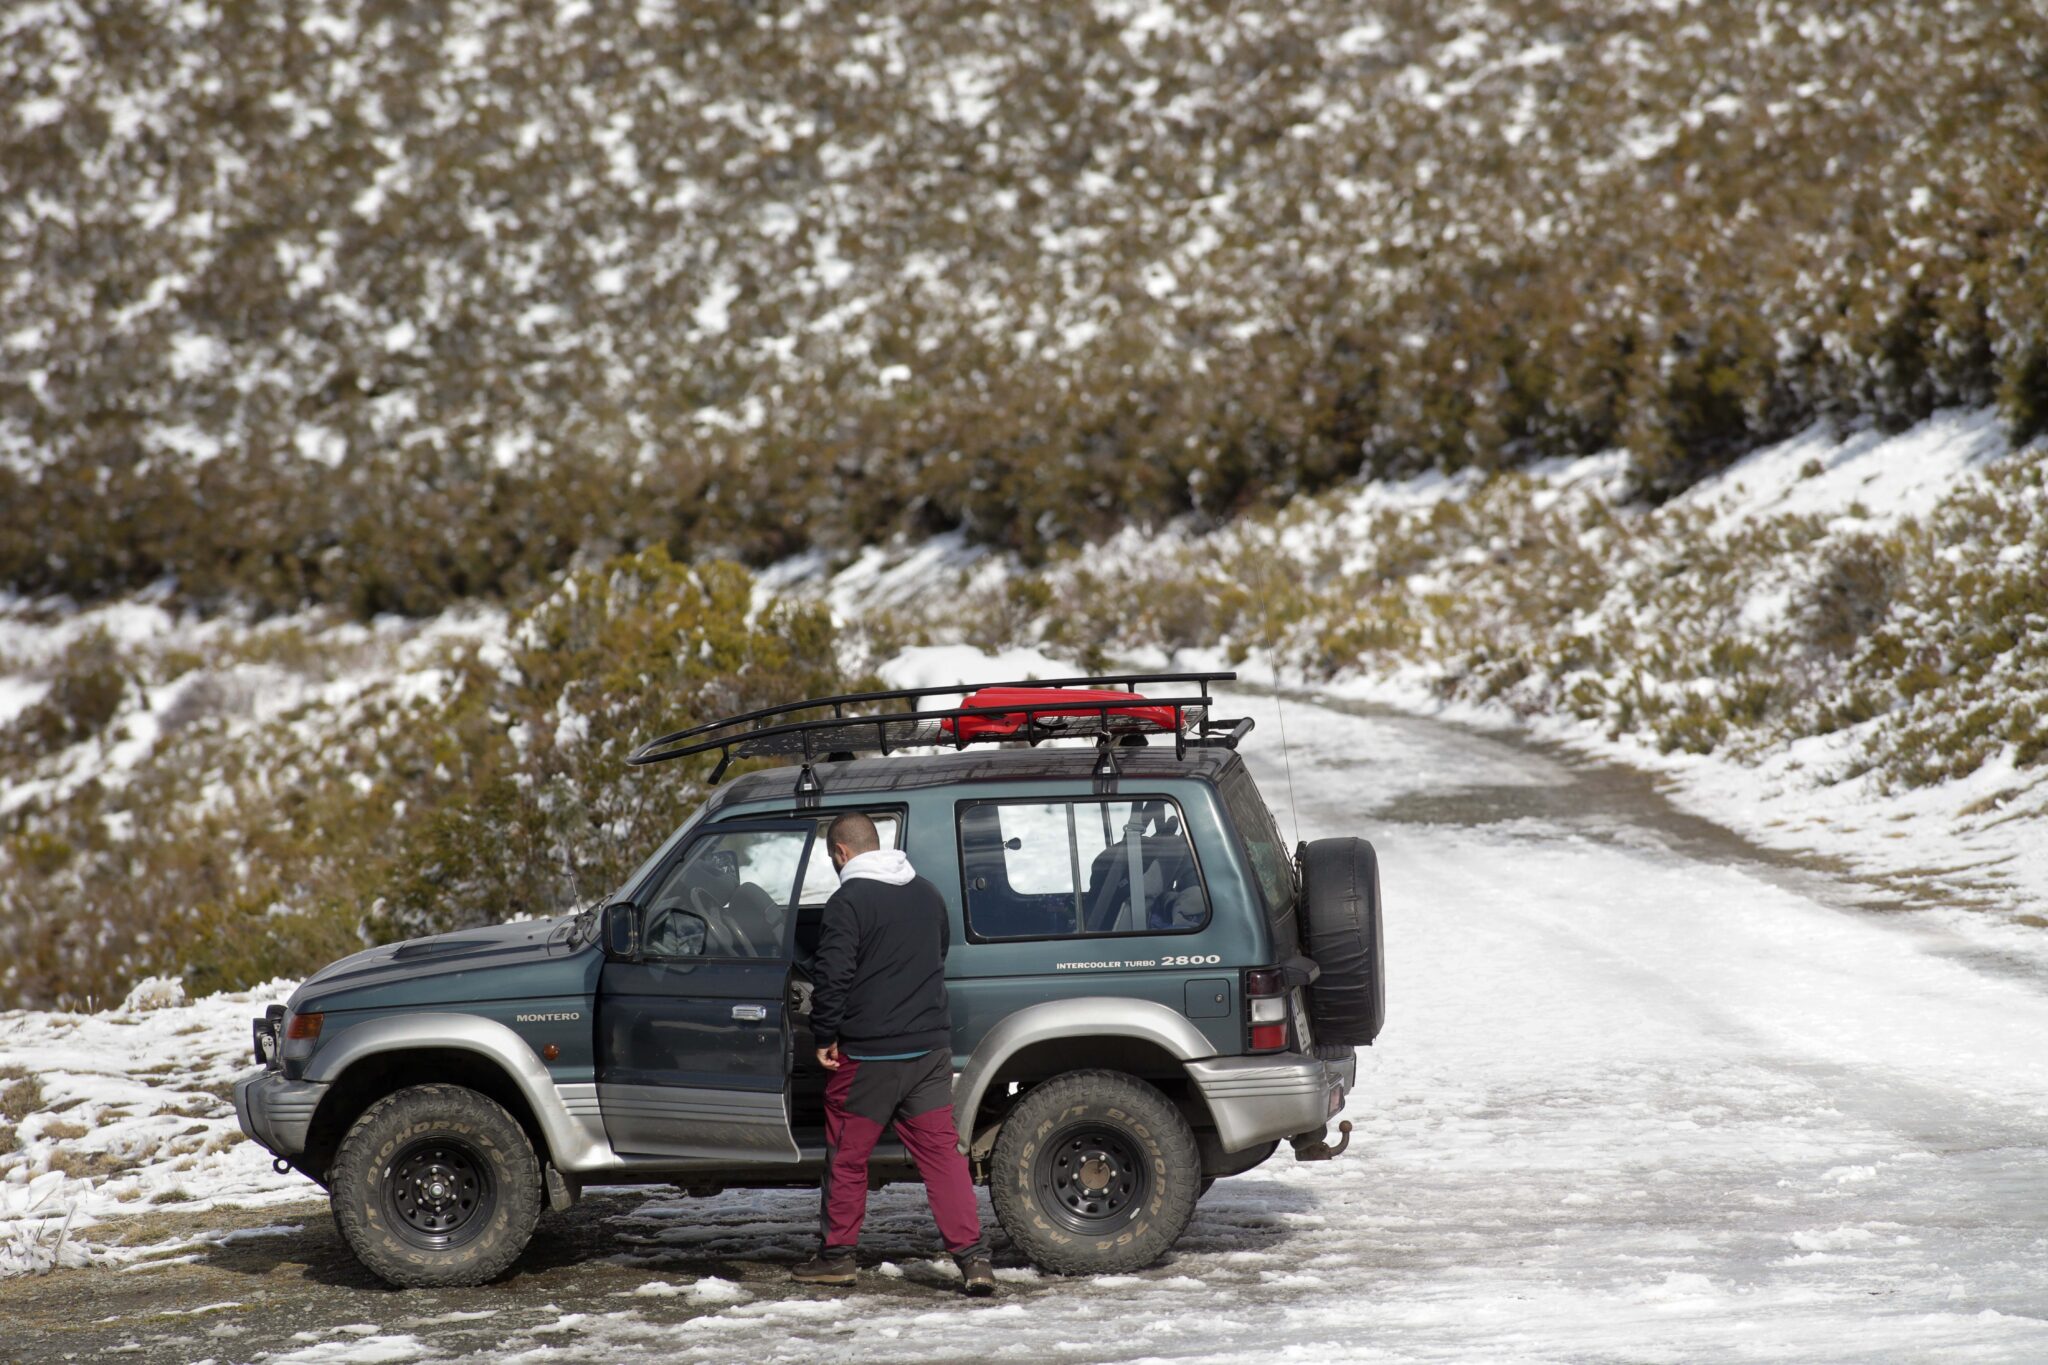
820 881
1059 869
730 896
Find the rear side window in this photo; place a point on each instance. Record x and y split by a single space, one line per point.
1271 866
1066 869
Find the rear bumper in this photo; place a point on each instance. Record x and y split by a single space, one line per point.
276 1112
1264 1099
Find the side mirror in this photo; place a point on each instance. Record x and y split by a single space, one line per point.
622 930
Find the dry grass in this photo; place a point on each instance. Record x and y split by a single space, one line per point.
20 1094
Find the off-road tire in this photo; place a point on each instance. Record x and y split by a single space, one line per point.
1144 1136
437 1128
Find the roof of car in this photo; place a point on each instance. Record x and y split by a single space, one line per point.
902 772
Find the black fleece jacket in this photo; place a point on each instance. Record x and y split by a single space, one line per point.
879 979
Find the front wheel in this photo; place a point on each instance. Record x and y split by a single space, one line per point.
435 1186
1095 1173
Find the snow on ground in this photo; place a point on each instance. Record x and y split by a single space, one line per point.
125 1110
1870 475
888 576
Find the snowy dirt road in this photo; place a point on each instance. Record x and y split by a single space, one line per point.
1642 1096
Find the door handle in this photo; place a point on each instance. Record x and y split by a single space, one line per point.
755 1013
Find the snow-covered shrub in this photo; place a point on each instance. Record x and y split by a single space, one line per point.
154 993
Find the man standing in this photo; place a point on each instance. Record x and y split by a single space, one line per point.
879 1015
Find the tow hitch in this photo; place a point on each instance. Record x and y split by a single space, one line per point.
1316 1146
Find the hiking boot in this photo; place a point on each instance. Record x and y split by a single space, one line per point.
833 1265
978 1276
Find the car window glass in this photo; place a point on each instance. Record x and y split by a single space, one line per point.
820 881
731 896
1271 865
1067 868
1037 858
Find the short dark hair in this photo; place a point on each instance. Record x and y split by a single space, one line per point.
853 831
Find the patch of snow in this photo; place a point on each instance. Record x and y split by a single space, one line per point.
1880 479
938 665
18 695
378 1349
194 355
184 439
711 315
323 445
154 993
1360 39
39 112
142 1081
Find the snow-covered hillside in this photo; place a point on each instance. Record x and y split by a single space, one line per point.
322 301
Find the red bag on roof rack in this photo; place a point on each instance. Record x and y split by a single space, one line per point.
1014 709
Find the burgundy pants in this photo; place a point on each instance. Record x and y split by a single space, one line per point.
916 1095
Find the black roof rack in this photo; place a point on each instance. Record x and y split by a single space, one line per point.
846 732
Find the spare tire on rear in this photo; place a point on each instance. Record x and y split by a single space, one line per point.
1340 902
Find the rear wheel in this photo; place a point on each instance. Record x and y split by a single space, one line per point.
1094 1173
436 1186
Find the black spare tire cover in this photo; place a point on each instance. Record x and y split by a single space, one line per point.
1340 900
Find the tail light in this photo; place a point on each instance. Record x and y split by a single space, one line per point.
1265 1009
304 1025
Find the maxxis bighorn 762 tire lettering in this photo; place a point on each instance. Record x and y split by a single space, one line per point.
1340 902
468 1131
1119 1123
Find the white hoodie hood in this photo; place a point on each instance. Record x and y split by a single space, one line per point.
879 865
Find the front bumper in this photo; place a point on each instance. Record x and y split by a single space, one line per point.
275 1111
1266 1098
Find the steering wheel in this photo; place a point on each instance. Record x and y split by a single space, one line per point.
676 932
721 936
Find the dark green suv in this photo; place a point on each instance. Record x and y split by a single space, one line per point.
1148 992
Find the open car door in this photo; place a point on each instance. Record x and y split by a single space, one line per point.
694 1034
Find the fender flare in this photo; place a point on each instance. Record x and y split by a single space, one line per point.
572 1145
1083 1016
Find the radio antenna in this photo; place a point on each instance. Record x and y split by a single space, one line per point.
1287 761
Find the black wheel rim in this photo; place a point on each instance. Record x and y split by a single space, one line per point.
439 1193
1092 1178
